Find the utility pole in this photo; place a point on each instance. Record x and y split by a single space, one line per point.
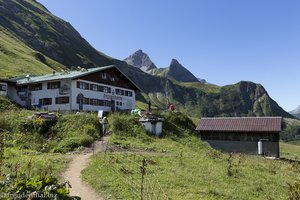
143 172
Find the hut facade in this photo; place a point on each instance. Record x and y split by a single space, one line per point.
249 135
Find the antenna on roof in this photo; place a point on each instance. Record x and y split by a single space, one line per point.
28 77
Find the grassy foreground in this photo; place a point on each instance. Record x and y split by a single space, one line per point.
182 167
290 150
32 150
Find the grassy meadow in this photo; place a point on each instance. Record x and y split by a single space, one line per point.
290 150
176 166
180 166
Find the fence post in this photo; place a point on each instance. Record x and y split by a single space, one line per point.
1 151
143 172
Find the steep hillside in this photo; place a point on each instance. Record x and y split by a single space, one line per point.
241 99
35 26
35 41
17 58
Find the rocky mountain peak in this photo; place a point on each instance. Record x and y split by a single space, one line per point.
175 62
180 73
296 112
140 60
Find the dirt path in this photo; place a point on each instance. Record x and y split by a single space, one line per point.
73 173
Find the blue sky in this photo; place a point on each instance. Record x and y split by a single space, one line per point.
221 41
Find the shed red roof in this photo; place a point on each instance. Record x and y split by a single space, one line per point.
240 124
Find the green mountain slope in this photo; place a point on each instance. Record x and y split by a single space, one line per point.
17 58
39 29
35 41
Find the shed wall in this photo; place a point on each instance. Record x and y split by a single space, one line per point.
248 147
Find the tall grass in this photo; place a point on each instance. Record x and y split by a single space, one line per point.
182 167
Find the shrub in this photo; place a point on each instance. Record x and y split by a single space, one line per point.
177 124
91 130
125 125
77 124
71 143
4 124
6 104
31 187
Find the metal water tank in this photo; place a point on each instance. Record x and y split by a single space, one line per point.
260 147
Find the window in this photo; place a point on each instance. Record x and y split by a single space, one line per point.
35 87
85 101
130 94
53 85
107 103
94 87
95 102
117 103
45 101
122 92
119 92
2 87
104 75
62 100
22 88
101 88
82 85
112 78
106 89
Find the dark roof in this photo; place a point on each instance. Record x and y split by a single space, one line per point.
6 81
67 75
59 75
240 124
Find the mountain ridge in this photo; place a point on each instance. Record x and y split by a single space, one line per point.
296 112
174 71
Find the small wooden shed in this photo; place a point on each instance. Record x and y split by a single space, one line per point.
249 135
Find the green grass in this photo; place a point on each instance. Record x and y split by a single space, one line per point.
29 141
16 58
183 168
33 163
290 150
207 87
6 104
33 150
187 169
295 142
